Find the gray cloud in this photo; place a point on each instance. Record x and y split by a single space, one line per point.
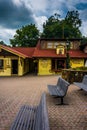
13 16
83 14
16 13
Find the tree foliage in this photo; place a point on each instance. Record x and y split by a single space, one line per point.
84 40
72 18
27 36
54 27
65 28
2 43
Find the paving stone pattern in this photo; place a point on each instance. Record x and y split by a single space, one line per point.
17 91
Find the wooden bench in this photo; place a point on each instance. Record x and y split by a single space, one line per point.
59 90
32 118
83 84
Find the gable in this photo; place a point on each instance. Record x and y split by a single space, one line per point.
10 50
6 53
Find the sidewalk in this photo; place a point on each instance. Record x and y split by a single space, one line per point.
17 91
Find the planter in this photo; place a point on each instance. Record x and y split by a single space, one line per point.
73 75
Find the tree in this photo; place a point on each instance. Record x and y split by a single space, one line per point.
27 36
2 43
84 40
52 29
65 28
72 18
73 22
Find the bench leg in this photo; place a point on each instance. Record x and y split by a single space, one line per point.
62 102
80 89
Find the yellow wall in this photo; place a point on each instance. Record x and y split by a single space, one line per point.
44 66
6 71
77 63
25 66
7 67
20 66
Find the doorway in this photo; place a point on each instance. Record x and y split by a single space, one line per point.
14 66
58 64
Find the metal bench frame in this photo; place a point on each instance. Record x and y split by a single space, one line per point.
32 118
59 90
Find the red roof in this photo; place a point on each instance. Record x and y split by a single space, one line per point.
12 50
77 54
38 52
47 53
27 51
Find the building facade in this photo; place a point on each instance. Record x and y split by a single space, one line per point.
47 58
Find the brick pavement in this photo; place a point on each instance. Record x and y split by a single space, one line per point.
17 91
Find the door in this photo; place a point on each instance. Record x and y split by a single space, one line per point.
14 66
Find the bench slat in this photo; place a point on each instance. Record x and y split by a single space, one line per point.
23 118
14 125
32 118
41 120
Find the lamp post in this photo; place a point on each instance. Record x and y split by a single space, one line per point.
67 55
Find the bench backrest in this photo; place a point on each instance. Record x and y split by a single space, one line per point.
41 119
84 79
63 85
58 81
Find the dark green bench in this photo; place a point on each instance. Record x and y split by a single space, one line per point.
59 90
32 118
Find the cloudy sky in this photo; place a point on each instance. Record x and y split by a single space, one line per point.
16 13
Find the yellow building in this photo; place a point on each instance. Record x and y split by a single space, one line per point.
14 61
47 58
52 55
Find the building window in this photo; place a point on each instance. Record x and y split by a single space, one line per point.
1 64
55 45
58 64
49 45
60 49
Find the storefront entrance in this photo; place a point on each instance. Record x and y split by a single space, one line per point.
58 64
14 66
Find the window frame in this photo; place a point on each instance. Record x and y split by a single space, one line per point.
1 63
